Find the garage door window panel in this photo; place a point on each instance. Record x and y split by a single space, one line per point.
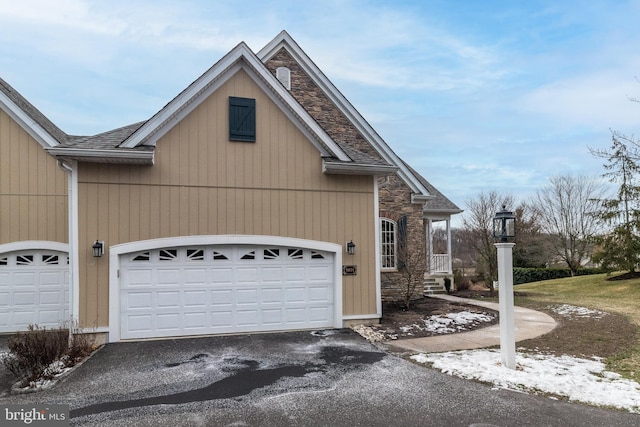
168 254
271 254
295 253
24 259
195 254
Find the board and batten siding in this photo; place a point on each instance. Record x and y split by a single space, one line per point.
33 190
203 184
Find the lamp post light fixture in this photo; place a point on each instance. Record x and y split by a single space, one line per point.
98 248
504 228
504 225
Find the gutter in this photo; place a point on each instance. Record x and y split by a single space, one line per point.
342 168
103 156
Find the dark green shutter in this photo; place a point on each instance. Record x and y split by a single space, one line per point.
401 235
242 119
402 231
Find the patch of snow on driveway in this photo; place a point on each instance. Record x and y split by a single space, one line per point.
576 379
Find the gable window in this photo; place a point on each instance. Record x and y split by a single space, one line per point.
283 74
388 244
242 119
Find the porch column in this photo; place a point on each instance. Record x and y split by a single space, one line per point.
429 237
449 252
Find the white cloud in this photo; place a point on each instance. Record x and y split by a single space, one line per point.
595 101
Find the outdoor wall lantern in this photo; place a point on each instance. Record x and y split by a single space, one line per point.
98 248
504 225
351 247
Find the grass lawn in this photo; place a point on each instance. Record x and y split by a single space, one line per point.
618 296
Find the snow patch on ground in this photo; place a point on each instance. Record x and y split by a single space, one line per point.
436 324
575 379
369 333
52 374
573 311
455 322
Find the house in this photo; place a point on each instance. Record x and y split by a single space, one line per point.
258 199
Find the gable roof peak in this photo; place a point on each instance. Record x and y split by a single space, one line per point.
43 130
284 40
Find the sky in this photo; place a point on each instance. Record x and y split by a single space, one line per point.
475 95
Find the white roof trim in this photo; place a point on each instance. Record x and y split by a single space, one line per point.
284 40
32 127
240 57
341 168
85 153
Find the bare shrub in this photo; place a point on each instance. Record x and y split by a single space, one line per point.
80 346
40 353
462 282
32 352
412 267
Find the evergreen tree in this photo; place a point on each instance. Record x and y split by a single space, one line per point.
620 246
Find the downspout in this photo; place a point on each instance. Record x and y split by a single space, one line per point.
70 168
376 239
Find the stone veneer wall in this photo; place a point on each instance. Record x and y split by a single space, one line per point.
395 202
394 195
313 99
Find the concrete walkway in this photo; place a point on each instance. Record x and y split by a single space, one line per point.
528 324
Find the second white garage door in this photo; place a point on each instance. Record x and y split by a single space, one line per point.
199 290
34 289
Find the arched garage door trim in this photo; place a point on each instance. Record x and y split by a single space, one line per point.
34 244
117 250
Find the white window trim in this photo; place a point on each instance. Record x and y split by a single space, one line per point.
395 244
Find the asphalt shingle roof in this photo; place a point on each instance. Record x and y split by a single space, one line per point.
439 202
104 140
33 112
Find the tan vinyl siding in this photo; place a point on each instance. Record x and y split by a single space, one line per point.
203 184
33 190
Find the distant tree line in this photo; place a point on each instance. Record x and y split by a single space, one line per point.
569 223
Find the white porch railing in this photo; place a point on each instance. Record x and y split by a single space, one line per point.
439 263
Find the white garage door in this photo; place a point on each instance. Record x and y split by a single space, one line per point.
224 289
34 289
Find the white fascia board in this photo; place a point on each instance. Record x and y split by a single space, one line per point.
284 40
152 125
440 213
44 138
338 168
115 155
214 78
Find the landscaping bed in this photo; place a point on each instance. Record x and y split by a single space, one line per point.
428 317
579 332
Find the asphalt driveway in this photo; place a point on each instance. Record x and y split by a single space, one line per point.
331 378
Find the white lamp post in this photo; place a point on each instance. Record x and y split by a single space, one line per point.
504 228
